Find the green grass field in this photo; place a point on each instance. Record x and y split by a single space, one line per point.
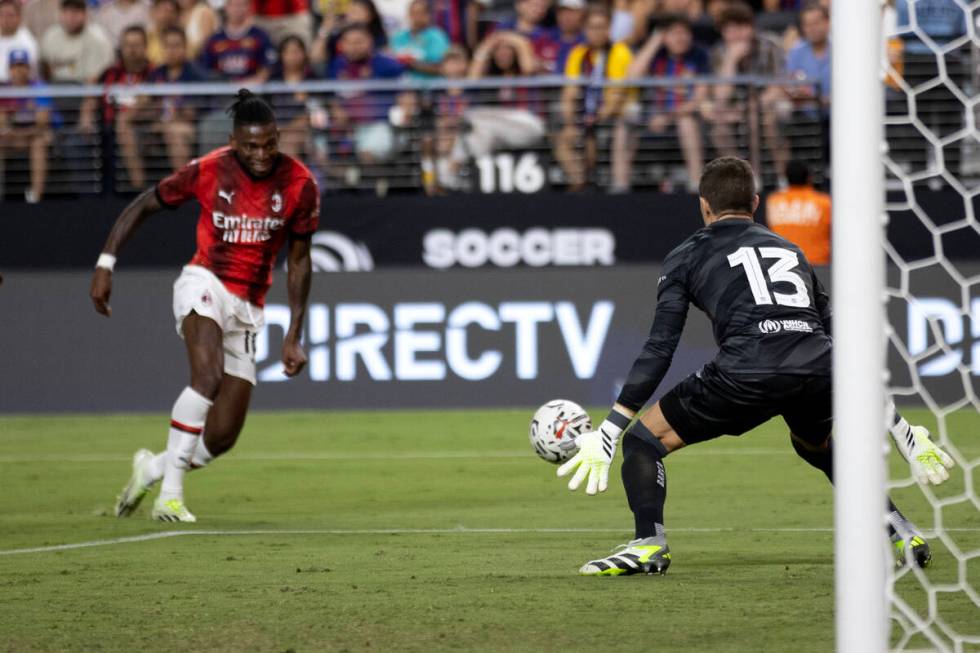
424 531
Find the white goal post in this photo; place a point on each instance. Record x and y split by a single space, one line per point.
906 318
859 326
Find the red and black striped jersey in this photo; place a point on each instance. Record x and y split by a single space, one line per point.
244 220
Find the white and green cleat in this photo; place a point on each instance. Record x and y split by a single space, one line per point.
172 510
909 544
647 556
139 484
914 549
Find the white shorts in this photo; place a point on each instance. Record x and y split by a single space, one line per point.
197 289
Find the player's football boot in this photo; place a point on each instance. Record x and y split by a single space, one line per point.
137 487
647 556
171 510
909 543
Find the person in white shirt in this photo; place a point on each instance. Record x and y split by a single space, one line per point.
14 36
75 50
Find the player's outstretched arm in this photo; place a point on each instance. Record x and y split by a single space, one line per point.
299 275
127 222
598 448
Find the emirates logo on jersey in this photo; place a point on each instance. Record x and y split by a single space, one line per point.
243 229
276 202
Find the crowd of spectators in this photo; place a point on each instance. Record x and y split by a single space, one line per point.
118 43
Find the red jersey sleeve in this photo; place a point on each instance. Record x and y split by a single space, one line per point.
306 217
179 187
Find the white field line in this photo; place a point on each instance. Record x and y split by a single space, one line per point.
147 537
297 456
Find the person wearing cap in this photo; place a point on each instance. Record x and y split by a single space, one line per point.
75 50
14 36
25 123
570 19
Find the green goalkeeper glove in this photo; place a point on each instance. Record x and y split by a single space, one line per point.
928 462
596 450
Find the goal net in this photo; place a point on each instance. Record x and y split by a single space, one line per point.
931 192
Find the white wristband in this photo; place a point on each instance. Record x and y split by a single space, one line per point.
106 261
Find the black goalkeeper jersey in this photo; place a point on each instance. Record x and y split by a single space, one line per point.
769 312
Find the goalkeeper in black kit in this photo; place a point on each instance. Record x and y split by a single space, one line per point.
771 319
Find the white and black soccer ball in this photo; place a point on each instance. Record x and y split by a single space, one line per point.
554 428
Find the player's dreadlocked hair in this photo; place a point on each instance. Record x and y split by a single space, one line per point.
249 109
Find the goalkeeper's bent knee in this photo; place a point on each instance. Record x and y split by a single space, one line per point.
645 435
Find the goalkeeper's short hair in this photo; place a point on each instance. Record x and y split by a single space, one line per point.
728 185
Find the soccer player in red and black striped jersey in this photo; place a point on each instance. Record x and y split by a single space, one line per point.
253 201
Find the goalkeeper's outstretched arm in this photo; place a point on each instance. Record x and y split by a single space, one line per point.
598 448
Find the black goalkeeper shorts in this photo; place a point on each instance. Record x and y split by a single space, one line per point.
711 403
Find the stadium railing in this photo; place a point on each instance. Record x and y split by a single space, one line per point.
497 134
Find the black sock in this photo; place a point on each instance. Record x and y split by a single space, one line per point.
645 480
823 459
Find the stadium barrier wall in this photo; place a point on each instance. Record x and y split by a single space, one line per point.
411 338
363 233
388 339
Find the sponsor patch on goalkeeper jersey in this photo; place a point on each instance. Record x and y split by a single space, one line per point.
777 326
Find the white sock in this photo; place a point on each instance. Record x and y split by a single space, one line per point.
186 423
201 456
158 464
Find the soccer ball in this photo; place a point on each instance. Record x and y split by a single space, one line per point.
554 428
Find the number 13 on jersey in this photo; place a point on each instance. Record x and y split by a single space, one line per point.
781 270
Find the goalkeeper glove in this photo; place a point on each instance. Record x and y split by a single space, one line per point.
929 463
596 450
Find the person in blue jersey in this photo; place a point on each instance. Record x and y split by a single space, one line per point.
364 114
177 113
239 51
670 52
570 22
